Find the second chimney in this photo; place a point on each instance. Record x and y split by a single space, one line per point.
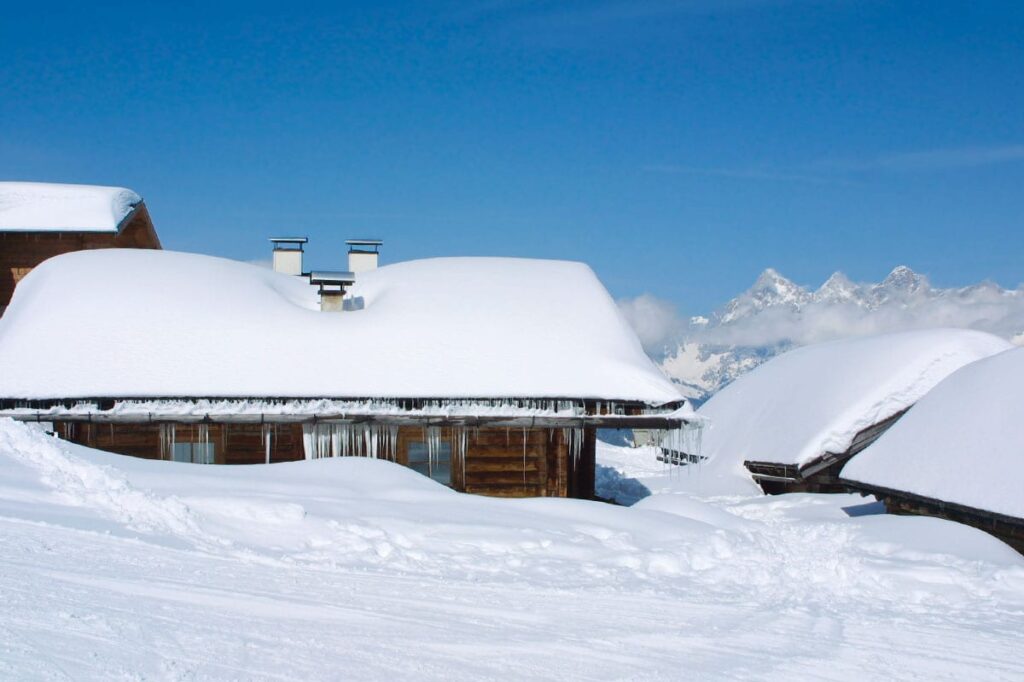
288 254
363 254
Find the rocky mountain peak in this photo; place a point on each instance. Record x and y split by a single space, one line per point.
838 288
771 289
903 278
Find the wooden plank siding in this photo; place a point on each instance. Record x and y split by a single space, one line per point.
502 462
20 252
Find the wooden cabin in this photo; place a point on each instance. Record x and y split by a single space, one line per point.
957 455
42 220
795 421
485 374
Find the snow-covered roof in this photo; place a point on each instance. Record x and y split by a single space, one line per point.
962 443
815 399
49 207
151 324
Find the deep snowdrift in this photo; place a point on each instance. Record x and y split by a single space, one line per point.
962 443
815 399
113 568
43 206
164 324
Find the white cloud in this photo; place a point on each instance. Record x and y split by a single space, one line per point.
707 354
984 307
745 173
657 322
940 159
845 171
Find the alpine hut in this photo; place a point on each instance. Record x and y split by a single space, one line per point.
490 375
792 423
958 454
40 220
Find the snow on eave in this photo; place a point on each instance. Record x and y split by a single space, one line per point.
471 412
52 207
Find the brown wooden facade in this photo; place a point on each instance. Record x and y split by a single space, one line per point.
820 475
498 461
21 251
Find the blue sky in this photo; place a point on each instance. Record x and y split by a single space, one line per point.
679 147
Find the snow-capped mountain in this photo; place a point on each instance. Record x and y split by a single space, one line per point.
776 314
771 290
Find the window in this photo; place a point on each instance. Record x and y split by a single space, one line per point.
439 469
197 453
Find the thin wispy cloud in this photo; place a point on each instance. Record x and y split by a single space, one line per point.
745 173
568 14
933 159
839 171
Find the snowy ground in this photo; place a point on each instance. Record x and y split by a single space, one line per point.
116 568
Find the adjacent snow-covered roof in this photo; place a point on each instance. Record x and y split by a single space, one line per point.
815 399
962 443
148 324
48 207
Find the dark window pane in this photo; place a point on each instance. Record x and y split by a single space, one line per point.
182 452
198 453
440 469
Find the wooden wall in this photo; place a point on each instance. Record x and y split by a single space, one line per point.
526 463
233 443
137 440
22 251
500 462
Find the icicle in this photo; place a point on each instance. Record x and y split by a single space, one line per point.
432 435
463 446
204 445
266 442
525 433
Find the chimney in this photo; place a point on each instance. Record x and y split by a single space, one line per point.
332 288
288 254
363 254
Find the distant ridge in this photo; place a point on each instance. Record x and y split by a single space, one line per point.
775 314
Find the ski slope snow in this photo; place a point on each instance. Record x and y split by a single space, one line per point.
120 568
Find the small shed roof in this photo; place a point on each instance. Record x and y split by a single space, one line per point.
962 443
125 323
50 207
